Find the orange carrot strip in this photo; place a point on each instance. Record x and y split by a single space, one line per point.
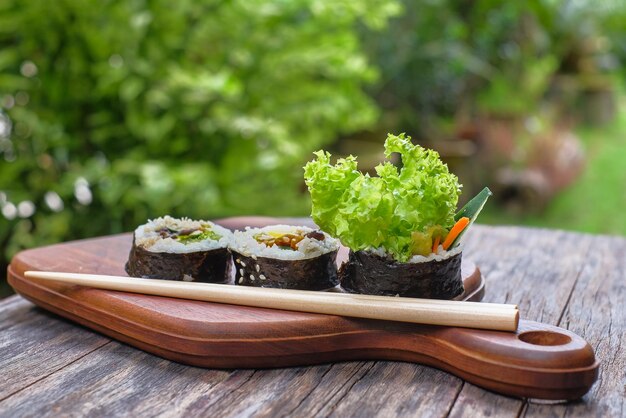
458 227
436 244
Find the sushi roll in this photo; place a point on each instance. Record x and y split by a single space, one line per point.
437 276
401 226
285 256
180 249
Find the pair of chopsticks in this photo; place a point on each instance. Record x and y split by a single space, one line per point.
494 316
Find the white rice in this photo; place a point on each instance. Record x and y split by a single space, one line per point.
245 243
440 255
147 236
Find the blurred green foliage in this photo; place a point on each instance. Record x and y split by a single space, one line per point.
128 110
113 112
444 57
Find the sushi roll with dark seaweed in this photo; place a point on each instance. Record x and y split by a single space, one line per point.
285 256
400 226
180 249
437 276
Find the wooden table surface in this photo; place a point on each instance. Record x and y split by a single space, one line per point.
51 367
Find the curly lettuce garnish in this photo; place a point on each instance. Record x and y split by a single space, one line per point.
402 211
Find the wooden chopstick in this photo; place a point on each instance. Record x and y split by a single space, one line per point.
400 300
423 311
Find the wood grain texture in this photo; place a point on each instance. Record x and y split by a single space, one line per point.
596 309
13 311
590 305
520 261
37 345
118 380
368 394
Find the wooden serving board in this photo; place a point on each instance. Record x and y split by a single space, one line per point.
538 361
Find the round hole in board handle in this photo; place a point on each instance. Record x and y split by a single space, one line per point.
544 338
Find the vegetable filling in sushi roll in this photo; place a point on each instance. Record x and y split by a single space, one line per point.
285 256
180 249
400 226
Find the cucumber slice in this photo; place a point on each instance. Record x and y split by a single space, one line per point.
471 211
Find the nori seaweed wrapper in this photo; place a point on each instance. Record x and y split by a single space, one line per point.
317 273
372 274
211 266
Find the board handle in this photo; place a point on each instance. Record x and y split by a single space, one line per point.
538 361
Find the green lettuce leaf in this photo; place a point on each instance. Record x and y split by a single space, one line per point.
396 210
